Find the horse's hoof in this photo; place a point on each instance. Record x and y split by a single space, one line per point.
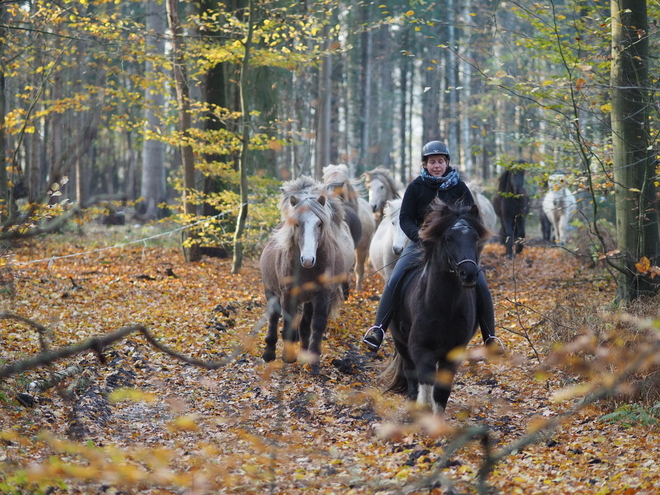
268 355
289 355
315 368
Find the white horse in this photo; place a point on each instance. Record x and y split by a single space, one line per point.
558 205
388 241
337 178
486 210
382 187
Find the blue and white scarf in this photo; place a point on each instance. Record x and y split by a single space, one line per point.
445 182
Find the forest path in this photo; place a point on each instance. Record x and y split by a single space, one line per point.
252 427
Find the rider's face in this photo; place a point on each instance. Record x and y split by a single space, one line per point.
436 165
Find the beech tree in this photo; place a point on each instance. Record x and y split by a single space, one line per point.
633 150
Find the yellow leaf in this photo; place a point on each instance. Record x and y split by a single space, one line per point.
130 394
644 265
410 12
186 423
607 108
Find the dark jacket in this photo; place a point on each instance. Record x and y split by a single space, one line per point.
419 195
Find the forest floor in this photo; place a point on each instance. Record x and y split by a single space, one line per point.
149 423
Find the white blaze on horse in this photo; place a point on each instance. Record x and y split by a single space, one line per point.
559 204
337 179
382 187
304 266
388 241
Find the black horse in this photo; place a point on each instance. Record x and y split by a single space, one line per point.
511 204
438 309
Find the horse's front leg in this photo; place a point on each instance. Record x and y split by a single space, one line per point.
508 232
360 260
321 304
290 328
442 389
305 328
519 233
273 312
424 360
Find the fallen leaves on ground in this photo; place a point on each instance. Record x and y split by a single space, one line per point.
147 423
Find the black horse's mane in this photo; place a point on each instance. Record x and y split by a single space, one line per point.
442 216
504 179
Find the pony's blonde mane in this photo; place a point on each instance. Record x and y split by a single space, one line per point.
385 175
308 193
392 207
337 179
301 187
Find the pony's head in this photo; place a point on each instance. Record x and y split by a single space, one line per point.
301 187
337 179
381 187
391 217
306 222
450 237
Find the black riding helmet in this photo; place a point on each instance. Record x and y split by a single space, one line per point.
435 148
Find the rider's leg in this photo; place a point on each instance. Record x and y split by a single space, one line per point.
374 336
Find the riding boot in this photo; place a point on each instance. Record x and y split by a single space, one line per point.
375 335
485 311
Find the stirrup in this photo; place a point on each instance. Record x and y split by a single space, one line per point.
372 339
493 338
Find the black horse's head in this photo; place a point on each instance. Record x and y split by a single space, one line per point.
512 182
451 234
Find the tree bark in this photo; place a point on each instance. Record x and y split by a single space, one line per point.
365 89
153 189
324 108
636 206
5 197
245 143
191 248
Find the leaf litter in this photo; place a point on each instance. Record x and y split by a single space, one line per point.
252 427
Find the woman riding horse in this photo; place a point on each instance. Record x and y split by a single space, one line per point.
440 180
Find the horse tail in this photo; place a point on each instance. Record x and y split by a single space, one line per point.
393 377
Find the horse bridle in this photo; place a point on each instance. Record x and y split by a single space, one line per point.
453 264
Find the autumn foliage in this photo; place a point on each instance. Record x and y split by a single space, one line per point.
136 419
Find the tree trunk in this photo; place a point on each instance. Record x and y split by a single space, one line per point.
324 108
365 89
403 104
451 115
636 212
191 248
466 163
5 198
245 143
153 189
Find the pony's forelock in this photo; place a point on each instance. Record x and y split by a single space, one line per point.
324 209
442 216
352 189
391 208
